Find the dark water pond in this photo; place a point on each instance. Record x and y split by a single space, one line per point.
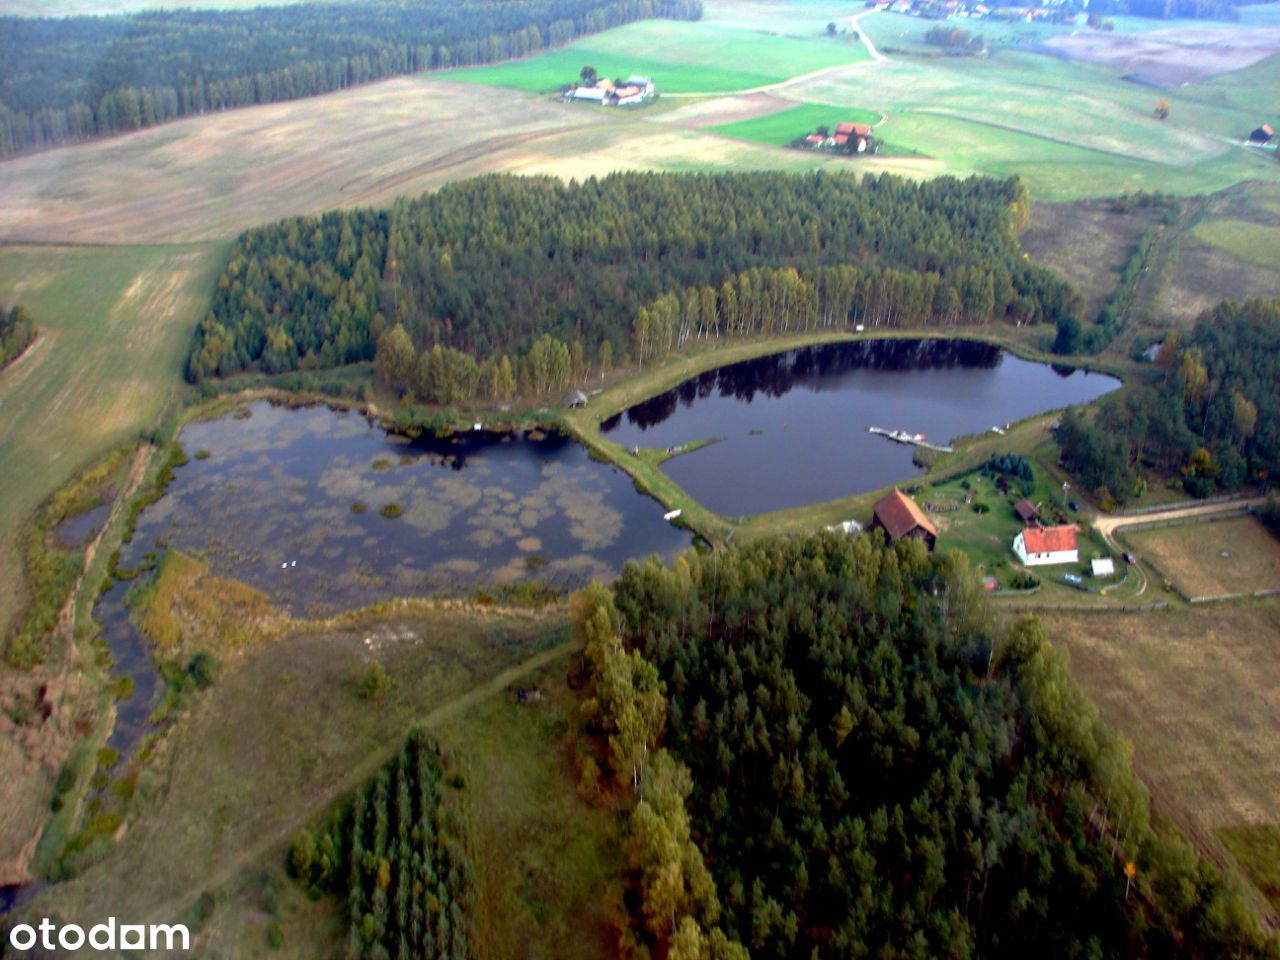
794 425
267 499
78 530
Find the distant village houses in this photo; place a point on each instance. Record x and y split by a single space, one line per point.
1263 134
1055 11
611 93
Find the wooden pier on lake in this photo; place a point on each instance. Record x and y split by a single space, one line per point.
912 439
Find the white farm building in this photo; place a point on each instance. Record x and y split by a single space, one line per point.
1042 546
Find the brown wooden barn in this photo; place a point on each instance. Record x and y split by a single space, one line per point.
899 516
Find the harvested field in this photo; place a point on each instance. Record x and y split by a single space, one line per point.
1198 692
708 113
115 326
1086 243
1212 559
1169 58
211 177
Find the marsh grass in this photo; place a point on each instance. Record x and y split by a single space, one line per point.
184 607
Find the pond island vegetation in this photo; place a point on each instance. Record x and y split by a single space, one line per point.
781 742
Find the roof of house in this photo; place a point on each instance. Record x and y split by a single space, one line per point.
814 138
589 93
627 91
1026 510
842 138
856 129
1050 539
639 80
575 399
899 515
1266 128
1104 567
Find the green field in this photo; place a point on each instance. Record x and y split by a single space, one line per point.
779 129
1072 129
1255 243
680 57
115 325
895 31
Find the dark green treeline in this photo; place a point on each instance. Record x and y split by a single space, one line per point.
17 330
876 769
395 856
1211 418
629 266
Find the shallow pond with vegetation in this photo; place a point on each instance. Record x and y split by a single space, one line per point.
792 429
323 512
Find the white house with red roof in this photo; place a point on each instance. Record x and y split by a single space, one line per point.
1042 546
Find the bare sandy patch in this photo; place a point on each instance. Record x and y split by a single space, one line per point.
1169 58
710 113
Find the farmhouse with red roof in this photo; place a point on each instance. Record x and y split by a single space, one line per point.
1042 546
899 516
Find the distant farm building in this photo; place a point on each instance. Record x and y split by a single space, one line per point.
1044 546
604 91
1103 567
575 399
1026 511
1263 134
848 137
899 516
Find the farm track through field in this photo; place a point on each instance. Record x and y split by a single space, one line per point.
875 55
1108 526
433 718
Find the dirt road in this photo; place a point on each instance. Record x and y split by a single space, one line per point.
875 55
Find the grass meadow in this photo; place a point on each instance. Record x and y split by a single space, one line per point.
115 325
1072 130
680 57
779 129
1212 559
